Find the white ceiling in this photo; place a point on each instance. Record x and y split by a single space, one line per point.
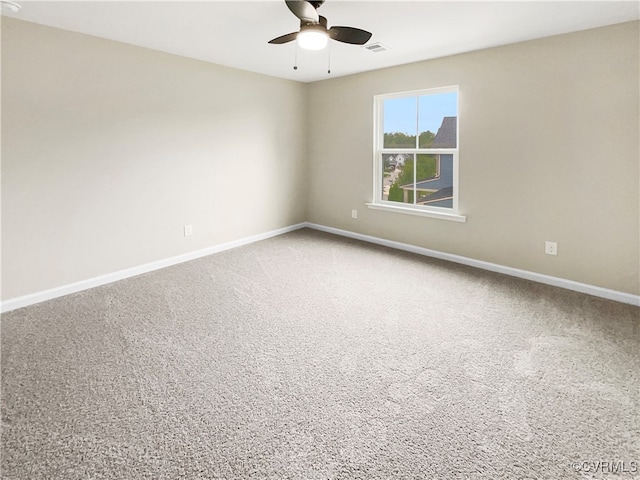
235 33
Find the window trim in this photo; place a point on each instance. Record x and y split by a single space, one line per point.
396 207
378 150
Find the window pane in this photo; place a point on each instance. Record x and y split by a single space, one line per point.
400 122
434 185
398 182
437 122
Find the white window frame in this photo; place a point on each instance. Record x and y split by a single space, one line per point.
378 165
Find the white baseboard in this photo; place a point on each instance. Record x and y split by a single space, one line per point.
38 297
514 272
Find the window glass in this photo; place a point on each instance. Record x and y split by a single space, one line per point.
438 112
402 181
417 157
400 122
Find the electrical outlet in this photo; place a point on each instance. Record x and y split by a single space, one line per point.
354 213
188 230
551 248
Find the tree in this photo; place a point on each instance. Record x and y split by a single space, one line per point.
399 140
395 193
426 139
426 167
402 140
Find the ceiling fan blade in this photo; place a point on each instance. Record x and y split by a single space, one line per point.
289 37
351 35
303 10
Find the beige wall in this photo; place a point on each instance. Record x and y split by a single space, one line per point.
108 150
549 150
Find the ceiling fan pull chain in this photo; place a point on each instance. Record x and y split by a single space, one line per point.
329 62
295 61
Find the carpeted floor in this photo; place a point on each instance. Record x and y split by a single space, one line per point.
309 356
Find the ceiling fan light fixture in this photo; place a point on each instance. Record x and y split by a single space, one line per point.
313 39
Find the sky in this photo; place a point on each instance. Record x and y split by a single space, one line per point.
400 113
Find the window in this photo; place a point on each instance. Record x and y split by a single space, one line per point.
416 152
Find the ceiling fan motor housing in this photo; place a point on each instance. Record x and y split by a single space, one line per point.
321 25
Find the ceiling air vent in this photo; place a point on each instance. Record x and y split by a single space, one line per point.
376 47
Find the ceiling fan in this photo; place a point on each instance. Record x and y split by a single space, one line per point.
314 34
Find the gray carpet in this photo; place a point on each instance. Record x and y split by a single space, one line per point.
309 356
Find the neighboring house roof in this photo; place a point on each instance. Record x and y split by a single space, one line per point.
433 184
441 194
447 135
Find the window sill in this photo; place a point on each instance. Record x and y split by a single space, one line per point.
419 212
